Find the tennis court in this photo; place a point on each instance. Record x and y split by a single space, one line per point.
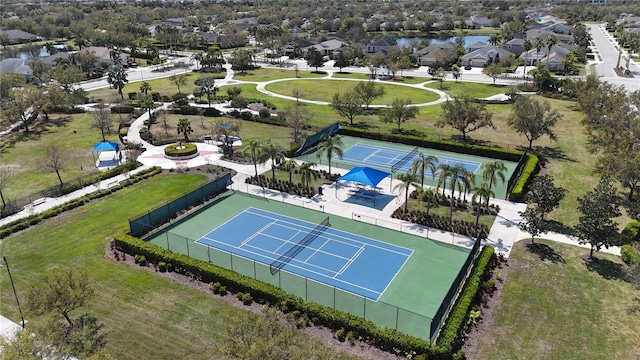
394 279
380 156
354 263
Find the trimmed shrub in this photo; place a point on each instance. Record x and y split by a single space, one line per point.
631 232
182 149
122 109
155 96
179 96
162 266
132 95
629 255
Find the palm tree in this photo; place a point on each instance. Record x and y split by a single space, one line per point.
330 145
622 41
406 180
444 170
429 195
145 87
307 173
551 41
468 179
482 191
255 150
492 170
495 39
424 163
527 45
289 165
117 77
276 154
184 127
457 175
539 44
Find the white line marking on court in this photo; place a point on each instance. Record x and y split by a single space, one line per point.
353 258
318 250
396 274
259 232
366 159
283 244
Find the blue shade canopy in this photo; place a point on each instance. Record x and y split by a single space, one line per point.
106 146
364 175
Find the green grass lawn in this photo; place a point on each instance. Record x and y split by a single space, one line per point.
162 86
144 316
458 214
399 78
475 90
267 74
23 153
554 306
324 90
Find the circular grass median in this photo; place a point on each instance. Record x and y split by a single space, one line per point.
323 90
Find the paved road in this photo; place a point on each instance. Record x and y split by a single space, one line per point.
607 48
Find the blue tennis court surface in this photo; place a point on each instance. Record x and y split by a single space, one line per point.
384 158
351 262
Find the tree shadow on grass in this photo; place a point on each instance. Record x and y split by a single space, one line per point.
410 132
559 227
545 253
551 153
363 125
606 268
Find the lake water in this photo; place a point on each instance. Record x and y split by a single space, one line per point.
468 40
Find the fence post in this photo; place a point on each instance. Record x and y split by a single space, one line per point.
397 316
209 253
167 234
186 240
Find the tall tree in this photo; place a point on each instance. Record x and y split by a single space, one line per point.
5 179
428 195
539 45
256 151
23 105
533 118
422 164
102 119
348 105
526 45
495 39
290 165
179 80
532 223
330 145
54 159
314 58
596 226
184 127
545 194
494 71
145 87
552 40
399 112
207 86
493 170
341 60
406 180
481 192
464 115
307 173
296 116
368 91
117 77
276 154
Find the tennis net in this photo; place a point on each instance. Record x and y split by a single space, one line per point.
295 249
395 167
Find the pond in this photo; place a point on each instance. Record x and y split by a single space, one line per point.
468 40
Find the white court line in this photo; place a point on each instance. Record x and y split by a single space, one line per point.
353 258
279 247
396 274
366 159
259 232
316 251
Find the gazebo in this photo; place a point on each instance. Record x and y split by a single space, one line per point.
364 176
108 154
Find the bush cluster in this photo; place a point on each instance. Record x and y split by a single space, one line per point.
442 223
182 149
24 223
122 109
531 168
629 255
631 232
385 339
93 179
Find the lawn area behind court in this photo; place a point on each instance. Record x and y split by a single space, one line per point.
268 74
555 306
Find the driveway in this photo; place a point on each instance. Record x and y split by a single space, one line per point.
607 48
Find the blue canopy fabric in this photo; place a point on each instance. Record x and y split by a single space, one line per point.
106 146
364 175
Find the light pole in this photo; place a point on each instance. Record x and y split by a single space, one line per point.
14 289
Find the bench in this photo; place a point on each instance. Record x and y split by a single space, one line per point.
113 183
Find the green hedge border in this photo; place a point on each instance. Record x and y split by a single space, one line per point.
530 169
189 149
385 339
29 221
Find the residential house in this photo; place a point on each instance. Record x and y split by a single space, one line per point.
437 14
481 20
532 34
289 48
383 45
629 21
20 37
16 66
104 55
485 56
553 59
215 39
244 23
514 45
475 46
328 47
427 56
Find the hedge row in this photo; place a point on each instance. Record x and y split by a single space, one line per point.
93 179
531 168
385 339
479 150
24 223
450 335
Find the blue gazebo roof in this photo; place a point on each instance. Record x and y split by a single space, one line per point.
106 146
364 175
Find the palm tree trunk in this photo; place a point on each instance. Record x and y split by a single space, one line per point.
406 198
478 212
